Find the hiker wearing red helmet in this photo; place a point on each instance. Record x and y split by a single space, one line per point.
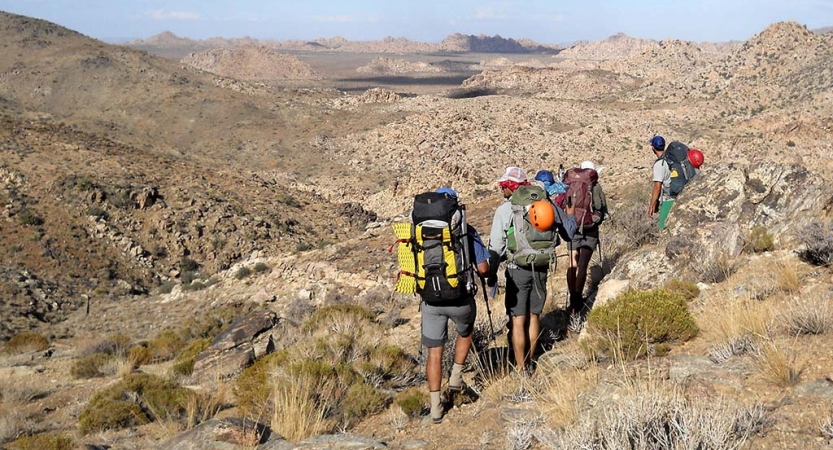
526 276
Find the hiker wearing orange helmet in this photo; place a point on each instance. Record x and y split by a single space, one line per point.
526 270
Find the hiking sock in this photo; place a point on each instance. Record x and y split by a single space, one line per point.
436 407
456 380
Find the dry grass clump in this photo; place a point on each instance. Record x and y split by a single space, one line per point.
412 401
826 428
779 366
687 289
789 277
297 411
341 364
43 442
638 323
659 418
558 391
808 316
135 400
115 345
184 364
759 240
26 341
712 268
738 327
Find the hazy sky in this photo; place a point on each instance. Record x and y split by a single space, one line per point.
545 21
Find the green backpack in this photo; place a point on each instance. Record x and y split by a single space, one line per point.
527 247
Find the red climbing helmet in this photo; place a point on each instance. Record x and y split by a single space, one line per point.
696 158
542 215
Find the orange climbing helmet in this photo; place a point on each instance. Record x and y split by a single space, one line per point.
542 215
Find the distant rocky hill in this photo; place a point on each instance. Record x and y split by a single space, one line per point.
168 42
823 30
618 46
383 65
251 63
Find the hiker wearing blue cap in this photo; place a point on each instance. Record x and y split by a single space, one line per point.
462 311
661 199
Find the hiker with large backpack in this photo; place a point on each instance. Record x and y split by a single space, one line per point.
588 199
672 171
438 256
525 231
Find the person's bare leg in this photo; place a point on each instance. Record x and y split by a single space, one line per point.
571 272
534 330
434 372
519 340
585 254
461 351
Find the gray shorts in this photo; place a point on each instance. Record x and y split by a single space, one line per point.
526 291
435 322
589 239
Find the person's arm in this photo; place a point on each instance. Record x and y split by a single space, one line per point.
566 222
599 204
653 207
497 235
480 252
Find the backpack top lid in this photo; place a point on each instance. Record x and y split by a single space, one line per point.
545 176
586 175
676 152
525 195
435 207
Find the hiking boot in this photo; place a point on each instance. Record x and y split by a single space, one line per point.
460 388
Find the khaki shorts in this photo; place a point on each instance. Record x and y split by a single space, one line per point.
435 322
526 291
589 239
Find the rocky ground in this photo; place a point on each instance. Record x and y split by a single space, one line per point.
139 195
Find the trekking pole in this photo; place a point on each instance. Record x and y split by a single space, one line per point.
488 311
601 258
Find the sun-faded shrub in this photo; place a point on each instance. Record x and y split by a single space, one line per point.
135 400
242 272
633 324
413 401
26 341
252 388
90 366
43 442
627 228
261 267
337 314
817 240
362 399
28 218
759 240
687 289
115 345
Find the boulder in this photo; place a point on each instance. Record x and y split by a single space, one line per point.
339 442
226 434
234 349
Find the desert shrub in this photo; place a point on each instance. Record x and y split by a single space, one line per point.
808 317
261 267
327 316
159 251
362 399
826 428
166 287
242 272
759 240
633 324
189 277
188 265
413 401
135 400
296 409
26 341
28 218
90 366
628 228
252 388
687 289
790 144
184 364
660 419
303 246
712 268
817 240
115 345
98 212
43 442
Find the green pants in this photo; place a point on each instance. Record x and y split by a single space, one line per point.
664 209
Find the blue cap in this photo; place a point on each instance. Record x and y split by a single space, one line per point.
545 176
447 190
658 143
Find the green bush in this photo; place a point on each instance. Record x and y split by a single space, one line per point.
90 366
135 400
362 399
27 341
242 272
29 218
325 315
413 401
759 240
166 287
688 289
252 388
43 442
188 265
633 324
261 267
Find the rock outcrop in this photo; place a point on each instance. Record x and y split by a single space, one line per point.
251 63
245 340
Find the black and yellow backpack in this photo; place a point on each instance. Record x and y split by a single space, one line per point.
433 251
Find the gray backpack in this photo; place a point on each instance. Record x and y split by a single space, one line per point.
526 245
